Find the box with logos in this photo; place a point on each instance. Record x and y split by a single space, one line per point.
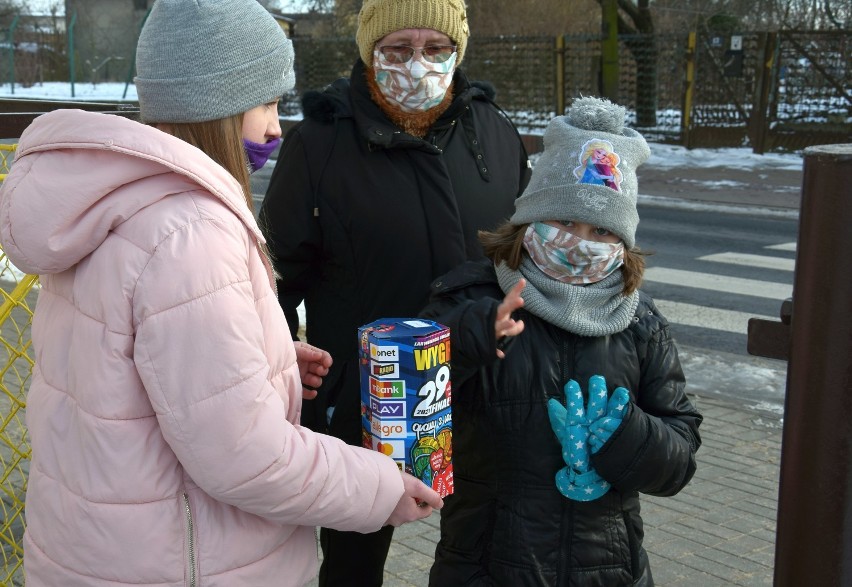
406 395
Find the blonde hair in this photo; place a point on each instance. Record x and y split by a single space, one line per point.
506 244
222 141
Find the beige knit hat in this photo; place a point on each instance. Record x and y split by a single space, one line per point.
381 17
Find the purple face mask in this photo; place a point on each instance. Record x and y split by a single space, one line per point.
258 153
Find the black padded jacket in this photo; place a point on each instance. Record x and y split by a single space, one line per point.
506 523
361 217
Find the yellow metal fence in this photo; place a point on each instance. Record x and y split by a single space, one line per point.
6 155
17 300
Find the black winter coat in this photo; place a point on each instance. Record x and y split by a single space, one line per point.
361 217
506 523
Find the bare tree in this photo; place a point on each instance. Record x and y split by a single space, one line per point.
8 10
838 14
636 24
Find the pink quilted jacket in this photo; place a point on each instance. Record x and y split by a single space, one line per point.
164 405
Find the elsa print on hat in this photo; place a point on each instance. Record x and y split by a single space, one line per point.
599 164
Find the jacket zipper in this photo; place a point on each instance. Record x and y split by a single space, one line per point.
190 539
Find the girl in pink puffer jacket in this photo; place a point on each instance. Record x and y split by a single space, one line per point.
164 406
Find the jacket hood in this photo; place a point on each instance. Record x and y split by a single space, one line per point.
77 175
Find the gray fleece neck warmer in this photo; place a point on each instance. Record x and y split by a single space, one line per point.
596 309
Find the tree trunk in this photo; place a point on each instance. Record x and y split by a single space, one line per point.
643 46
645 52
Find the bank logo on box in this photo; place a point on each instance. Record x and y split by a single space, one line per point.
386 409
384 370
384 353
387 389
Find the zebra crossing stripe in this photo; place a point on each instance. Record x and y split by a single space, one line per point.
759 261
783 247
719 283
709 318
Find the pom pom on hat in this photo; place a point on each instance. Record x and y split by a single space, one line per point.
379 18
587 172
200 60
597 114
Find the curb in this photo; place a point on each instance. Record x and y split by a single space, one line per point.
705 206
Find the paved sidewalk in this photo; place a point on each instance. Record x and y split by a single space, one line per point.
718 532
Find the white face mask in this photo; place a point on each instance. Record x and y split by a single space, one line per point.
416 85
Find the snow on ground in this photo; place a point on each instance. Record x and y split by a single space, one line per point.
669 156
63 91
708 374
662 156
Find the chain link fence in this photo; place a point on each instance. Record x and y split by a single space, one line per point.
523 72
16 311
770 91
812 89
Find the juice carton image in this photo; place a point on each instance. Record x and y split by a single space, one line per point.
405 397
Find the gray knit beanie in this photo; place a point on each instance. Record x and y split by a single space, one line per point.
201 60
587 171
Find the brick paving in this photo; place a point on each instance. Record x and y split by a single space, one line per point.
718 532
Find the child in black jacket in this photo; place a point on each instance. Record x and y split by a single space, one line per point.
568 395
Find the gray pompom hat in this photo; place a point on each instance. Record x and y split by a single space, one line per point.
587 171
200 60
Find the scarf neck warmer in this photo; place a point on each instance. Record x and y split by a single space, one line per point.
596 309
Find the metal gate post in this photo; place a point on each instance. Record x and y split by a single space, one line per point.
814 531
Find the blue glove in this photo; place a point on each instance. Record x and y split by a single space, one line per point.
601 429
578 480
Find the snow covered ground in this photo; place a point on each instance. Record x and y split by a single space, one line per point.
706 372
63 91
663 156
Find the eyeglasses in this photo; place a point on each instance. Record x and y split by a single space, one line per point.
404 53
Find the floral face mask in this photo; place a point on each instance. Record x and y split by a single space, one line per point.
571 259
415 85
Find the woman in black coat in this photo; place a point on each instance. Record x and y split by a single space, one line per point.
545 496
379 190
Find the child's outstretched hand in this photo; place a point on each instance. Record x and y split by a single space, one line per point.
504 325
